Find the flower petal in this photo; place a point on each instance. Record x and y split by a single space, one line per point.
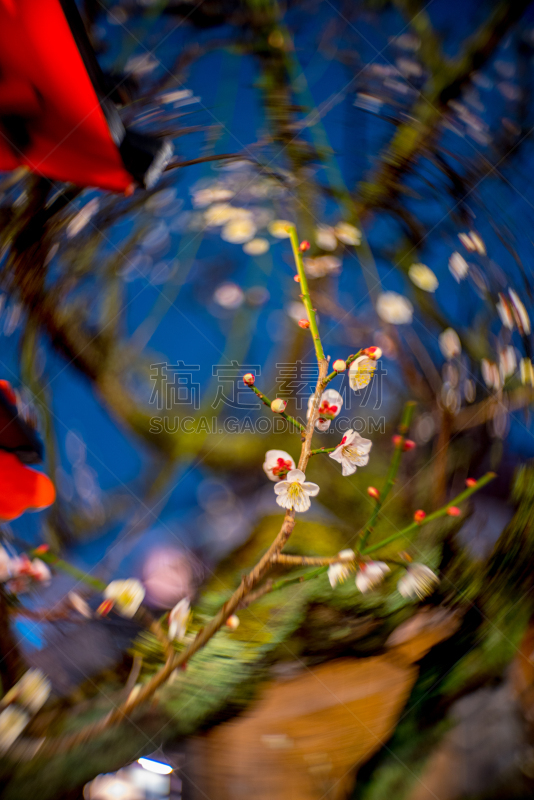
295 476
311 488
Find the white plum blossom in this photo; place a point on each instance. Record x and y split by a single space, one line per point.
127 595
238 231
361 371
423 277
507 362
458 266
520 312
505 312
325 237
491 374
394 308
339 572
322 265
370 574
179 620
473 242
40 572
79 605
219 214
279 228
277 464
229 295
418 582
295 492
352 452
449 343
256 247
329 408
347 233
31 691
214 194
12 722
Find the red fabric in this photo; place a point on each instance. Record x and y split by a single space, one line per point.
22 488
44 80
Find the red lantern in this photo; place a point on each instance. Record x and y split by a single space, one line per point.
56 117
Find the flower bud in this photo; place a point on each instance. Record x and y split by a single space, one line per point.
104 608
419 515
42 548
372 352
249 379
296 278
304 245
233 622
374 493
278 405
453 511
397 439
340 365
409 444
303 323
470 482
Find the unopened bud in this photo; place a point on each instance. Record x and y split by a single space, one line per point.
372 352
233 622
409 444
278 405
104 608
419 515
42 548
398 440
470 482
372 492
304 323
340 365
453 511
249 379
304 245
296 278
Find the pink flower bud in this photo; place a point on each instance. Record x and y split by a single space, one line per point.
453 511
233 622
304 245
278 405
296 278
43 548
249 379
303 323
340 365
409 444
419 515
470 482
372 352
372 492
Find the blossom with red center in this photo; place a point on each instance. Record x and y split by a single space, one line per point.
277 464
21 488
329 408
352 452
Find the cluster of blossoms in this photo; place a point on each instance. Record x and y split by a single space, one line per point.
19 704
19 574
417 582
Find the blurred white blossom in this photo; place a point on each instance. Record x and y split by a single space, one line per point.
394 308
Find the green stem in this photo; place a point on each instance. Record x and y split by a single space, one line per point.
265 400
306 299
407 414
299 578
322 450
441 512
64 566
